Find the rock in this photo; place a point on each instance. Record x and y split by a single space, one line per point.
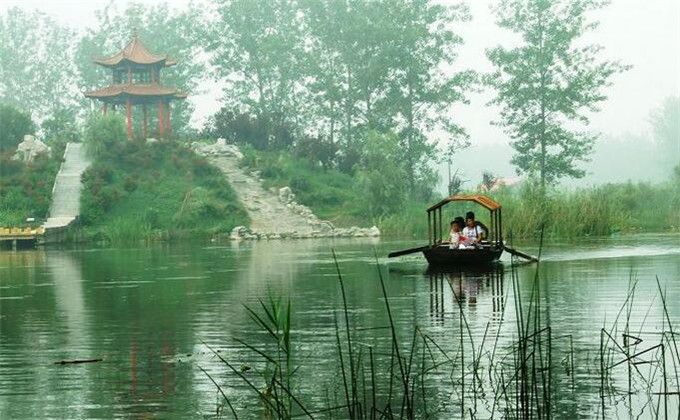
373 231
28 149
219 148
286 196
324 227
152 140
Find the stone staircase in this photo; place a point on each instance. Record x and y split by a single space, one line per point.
273 215
65 207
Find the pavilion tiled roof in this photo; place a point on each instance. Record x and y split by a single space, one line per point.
137 53
153 89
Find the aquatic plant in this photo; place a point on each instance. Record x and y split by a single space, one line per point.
414 376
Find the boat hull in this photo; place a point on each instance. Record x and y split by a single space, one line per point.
444 256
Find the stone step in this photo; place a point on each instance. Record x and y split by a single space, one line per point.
65 206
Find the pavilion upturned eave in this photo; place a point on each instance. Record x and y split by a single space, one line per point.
136 92
135 53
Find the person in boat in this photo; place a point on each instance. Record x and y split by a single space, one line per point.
455 235
456 238
473 230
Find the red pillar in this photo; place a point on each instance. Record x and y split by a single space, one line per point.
161 126
144 110
129 75
105 108
169 125
128 111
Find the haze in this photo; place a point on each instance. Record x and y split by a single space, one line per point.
644 34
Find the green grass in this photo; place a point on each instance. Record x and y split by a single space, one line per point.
331 194
138 191
26 189
597 211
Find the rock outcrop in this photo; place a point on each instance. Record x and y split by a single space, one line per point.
28 149
274 215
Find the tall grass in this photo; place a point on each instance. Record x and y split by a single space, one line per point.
485 379
564 213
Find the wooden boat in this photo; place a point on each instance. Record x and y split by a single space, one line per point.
439 253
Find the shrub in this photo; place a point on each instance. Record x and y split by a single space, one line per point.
381 176
263 132
102 133
317 150
14 125
61 127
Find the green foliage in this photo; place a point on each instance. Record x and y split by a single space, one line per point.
259 42
104 132
135 190
603 210
25 189
381 175
14 125
317 150
331 194
596 211
37 74
666 123
61 127
548 83
334 71
260 131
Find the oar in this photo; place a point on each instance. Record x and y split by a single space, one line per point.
520 254
406 251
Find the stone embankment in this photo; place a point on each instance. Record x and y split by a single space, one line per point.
274 214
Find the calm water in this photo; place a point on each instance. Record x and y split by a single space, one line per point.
150 312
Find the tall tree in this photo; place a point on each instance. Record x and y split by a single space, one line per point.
37 74
256 47
163 30
425 82
547 85
666 124
347 65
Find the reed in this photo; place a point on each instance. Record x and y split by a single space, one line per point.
404 378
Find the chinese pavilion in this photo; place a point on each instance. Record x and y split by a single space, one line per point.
136 81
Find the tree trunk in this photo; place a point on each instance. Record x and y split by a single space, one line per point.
348 109
409 149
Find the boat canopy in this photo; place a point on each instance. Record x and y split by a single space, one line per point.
482 200
436 227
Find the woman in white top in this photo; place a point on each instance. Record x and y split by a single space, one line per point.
473 231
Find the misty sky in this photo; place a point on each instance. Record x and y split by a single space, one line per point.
642 33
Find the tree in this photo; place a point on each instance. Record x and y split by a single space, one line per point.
14 125
60 127
256 47
37 73
666 124
381 175
423 84
103 132
548 84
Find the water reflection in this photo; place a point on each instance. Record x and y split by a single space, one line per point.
452 287
147 312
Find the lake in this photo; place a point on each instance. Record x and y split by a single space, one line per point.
160 316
